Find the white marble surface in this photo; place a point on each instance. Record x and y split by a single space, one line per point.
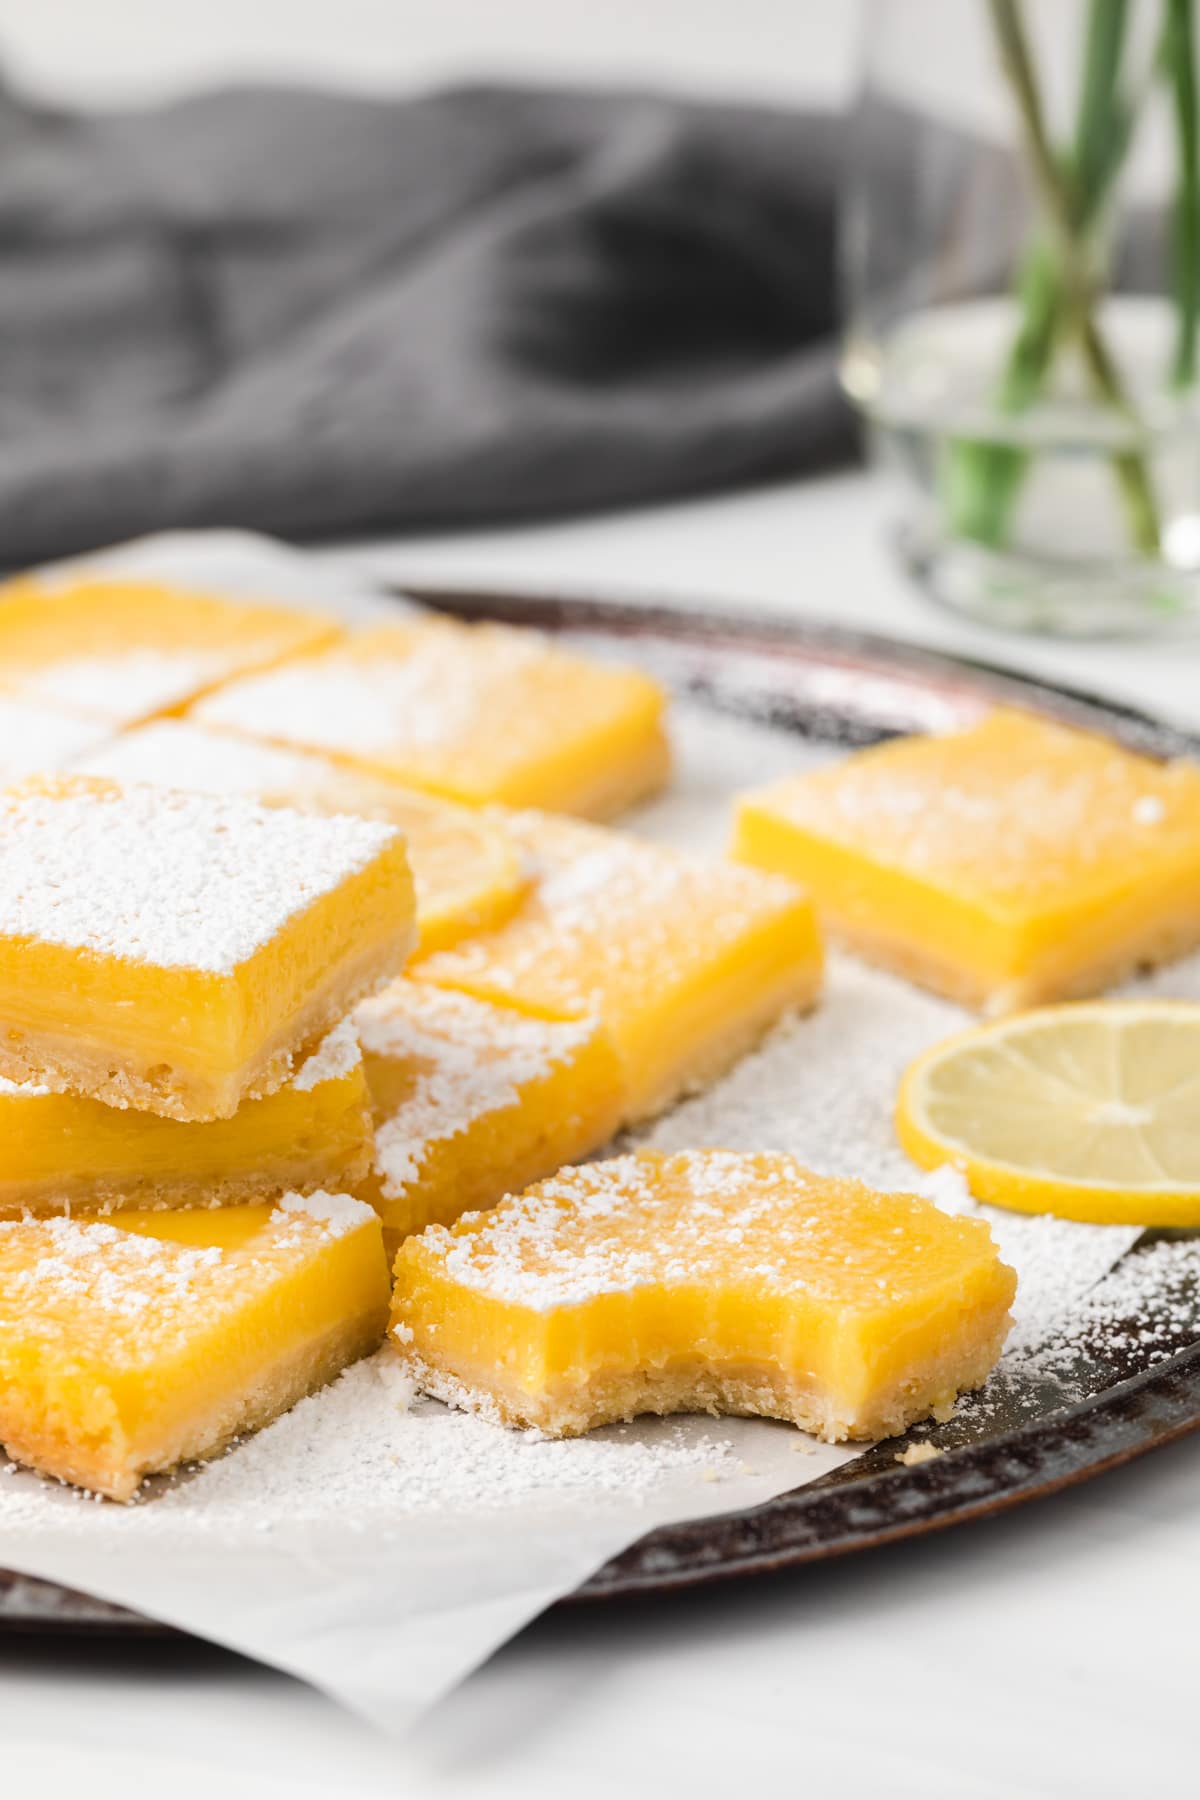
1045 1656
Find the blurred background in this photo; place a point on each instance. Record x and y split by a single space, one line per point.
347 269
136 50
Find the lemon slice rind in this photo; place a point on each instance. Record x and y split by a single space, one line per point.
1088 1111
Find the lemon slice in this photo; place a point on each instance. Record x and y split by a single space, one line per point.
1089 1111
466 866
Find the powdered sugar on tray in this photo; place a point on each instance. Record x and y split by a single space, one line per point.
368 1448
178 880
382 1547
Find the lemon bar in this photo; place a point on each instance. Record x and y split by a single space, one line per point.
1016 862
125 650
472 1101
69 1153
36 737
133 1344
176 952
476 713
465 867
703 1282
686 963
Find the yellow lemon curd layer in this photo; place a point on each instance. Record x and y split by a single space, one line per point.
473 1101
1011 863
132 1344
176 952
708 1280
465 866
69 1153
126 650
685 963
476 713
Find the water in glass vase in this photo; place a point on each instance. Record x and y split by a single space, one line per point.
1057 515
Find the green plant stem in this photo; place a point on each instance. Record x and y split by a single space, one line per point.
981 481
1056 291
1054 194
1179 66
1094 166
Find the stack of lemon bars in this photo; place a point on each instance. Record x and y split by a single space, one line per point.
320 984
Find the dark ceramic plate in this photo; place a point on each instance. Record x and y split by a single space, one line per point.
1121 1397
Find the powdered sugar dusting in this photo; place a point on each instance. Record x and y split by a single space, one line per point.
466 1060
35 738
334 1058
1017 808
125 685
701 1217
823 1088
93 1286
63 1277
411 693
175 753
610 915
339 1213
402 1461
176 880
364 1452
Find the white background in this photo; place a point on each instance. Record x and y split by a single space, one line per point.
1051 1654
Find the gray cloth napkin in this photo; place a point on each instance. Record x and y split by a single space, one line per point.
314 313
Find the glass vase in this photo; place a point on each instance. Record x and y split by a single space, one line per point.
1021 256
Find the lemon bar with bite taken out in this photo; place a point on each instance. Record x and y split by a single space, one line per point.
685 963
178 952
136 1343
67 1153
1016 862
705 1281
473 1101
127 650
476 713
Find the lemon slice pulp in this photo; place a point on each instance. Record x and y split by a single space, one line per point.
1090 1111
